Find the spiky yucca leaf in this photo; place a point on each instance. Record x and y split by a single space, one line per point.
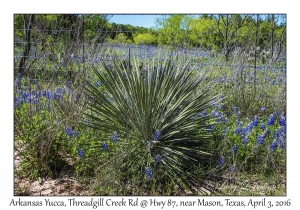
162 97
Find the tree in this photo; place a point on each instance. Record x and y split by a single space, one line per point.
228 27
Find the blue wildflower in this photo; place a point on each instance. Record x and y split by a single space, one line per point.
234 149
221 106
148 173
266 133
245 141
68 85
97 83
57 96
276 134
49 94
148 144
215 104
115 136
213 113
235 109
41 106
237 130
233 168
271 120
273 145
281 142
225 131
18 100
263 108
260 139
221 97
104 146
255 121
26 96
156 135
70 132
158 158
282 131
263 126
221 161
81 153
282 121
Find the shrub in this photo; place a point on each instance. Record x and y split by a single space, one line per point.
154 108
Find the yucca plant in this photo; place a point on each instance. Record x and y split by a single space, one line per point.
157 105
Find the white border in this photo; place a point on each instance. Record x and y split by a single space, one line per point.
8 8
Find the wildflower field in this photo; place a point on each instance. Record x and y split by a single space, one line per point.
170 123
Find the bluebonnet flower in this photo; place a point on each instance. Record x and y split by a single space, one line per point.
263 108
215 104
263 126
235 109
18 100
86 122
276 134
282 131
49 94
148 173
158 158
213 113
273 145
255 121
221 106
225 131
245 141
221 161
266 133
76 97
57 96
81 153
47 104
104 146
282 121
97 83
221 97
281 142
68 85
148 144
233 168
37 94
237 122
115 136
156 135
70 132
41 105
26 96
237 130
34 81
260 139
234 149
271 120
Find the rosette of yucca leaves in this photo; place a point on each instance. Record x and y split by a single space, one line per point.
160 98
